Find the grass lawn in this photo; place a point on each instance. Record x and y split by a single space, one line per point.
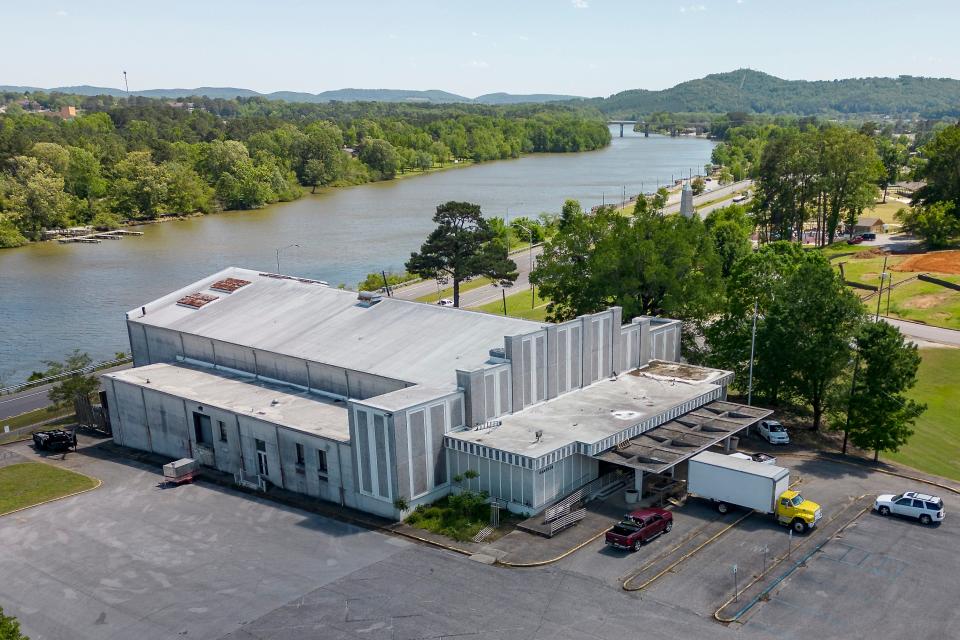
886 211
925 302
476 283
518 306
29 483
34 417
867 270
935 445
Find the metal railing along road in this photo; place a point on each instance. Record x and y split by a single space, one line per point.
60 376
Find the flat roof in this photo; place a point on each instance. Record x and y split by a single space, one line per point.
408 341
603 409
274 403
684 437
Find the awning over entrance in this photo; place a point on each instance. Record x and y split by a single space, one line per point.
660 448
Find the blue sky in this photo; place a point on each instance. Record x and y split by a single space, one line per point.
583 47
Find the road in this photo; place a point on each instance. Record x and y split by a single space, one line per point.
34 398
480 295
926 332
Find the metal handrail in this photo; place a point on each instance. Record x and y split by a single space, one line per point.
66 374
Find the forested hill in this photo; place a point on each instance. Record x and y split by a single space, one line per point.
433 96
757 92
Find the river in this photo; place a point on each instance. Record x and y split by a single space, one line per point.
58 297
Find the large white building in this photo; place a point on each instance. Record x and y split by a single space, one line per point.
370 402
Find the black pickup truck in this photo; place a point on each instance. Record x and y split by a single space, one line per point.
54 440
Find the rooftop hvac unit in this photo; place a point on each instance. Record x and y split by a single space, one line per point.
368 298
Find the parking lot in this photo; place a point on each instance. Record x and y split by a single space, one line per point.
132 560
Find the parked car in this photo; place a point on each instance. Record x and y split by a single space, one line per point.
445 302
855 240
773 432
762 458
925 508
868 236
638 527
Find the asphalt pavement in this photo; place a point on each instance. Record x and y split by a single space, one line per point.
35 397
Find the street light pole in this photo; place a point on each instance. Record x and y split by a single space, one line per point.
281 249
753 343
533 291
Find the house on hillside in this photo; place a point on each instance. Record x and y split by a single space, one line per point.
868 225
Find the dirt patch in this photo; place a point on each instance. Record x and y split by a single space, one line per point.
936 261
926 301
869 253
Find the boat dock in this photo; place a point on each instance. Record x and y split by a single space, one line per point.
95 238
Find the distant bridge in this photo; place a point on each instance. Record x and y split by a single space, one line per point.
674 127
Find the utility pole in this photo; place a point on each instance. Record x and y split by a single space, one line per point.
753 343
853 386
278 254
126 86
883 274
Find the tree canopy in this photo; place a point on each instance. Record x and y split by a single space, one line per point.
140 159
462 246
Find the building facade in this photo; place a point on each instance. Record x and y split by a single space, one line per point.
375 403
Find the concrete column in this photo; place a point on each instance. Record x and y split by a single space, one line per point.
645 346
551 368
513 347
587 353
727 448
474 407
638 481
616 341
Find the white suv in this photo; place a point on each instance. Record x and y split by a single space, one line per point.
773 432
923 507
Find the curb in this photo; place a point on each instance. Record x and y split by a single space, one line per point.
97 484
860 465
541 563
798 564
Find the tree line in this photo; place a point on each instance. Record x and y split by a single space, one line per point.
141 159
816 350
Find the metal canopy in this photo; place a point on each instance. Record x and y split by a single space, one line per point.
662 447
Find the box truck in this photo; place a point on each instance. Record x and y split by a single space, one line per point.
730 480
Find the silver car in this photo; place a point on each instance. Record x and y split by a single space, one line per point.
925 508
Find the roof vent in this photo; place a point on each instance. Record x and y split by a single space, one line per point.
499 353
368 298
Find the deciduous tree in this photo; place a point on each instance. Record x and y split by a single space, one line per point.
881 416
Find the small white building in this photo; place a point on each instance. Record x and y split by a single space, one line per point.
369 402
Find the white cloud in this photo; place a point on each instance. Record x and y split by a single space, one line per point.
694 8
479 64
580 4
475 34
61 14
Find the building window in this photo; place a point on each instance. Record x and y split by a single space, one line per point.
322 464
262 467
300 461
202 428
223 430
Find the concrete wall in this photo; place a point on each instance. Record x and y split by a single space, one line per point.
155 344
153 421
487 393
665 340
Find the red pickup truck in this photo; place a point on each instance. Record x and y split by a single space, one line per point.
638 527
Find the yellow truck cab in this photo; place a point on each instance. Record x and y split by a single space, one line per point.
797 512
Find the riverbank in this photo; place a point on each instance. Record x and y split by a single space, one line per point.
67 296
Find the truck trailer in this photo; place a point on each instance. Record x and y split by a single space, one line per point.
730 480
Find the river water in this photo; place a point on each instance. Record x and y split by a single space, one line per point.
58 297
